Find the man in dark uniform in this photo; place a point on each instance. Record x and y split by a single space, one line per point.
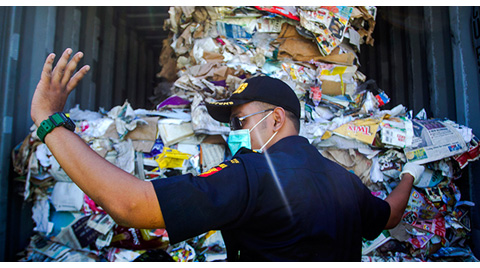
277 199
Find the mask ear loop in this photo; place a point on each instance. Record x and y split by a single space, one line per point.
250 130
257 125
261 149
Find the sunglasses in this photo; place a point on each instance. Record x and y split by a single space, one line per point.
236 122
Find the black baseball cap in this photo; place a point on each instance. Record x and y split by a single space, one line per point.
261 88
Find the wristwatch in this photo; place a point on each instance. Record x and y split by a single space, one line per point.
53 121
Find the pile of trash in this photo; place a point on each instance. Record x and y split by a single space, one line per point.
69 226
313 49
210 53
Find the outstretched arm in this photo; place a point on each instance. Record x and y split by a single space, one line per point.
131 202
398 198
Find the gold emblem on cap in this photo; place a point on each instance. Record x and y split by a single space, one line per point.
222 103
241 88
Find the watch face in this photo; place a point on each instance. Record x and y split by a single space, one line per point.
61 120
69 124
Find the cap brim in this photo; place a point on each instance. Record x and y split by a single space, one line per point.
221 110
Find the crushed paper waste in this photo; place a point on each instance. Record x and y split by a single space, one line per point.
210 51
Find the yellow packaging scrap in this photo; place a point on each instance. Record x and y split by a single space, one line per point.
363 130
171 158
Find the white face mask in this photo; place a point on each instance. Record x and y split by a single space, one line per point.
241 138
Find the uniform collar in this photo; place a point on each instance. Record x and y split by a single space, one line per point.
287 143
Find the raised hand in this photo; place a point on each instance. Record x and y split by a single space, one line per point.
55 85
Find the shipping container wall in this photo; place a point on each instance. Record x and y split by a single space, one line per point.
423 57
428 58
123 66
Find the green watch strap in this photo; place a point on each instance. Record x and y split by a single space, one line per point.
45 127
57 119
53 121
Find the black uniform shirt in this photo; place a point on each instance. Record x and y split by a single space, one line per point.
287 204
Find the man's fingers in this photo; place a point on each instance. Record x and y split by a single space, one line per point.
47 68
59 69
77 78
71 66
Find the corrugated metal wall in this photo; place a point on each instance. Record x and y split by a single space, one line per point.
423 58
123 67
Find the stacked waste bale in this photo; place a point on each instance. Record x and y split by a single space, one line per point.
314 50
210 52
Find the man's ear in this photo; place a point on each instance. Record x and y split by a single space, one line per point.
279 116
